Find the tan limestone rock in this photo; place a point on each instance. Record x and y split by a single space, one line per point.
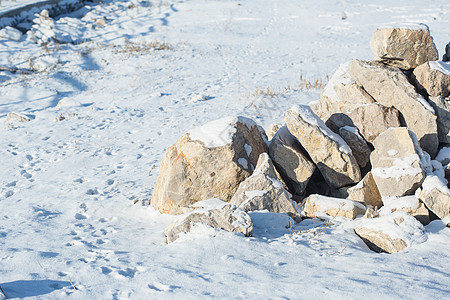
409 204
215 213
390 233
272 130
208 162
328 150
335 207
441 107
436 196
263 191
290 160
390 87
405 48
359 147
434 77
366 192
396 162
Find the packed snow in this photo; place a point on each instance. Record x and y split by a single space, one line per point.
441 66
76 179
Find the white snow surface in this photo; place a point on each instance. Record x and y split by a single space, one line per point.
441 66
326 203
75 181
391 204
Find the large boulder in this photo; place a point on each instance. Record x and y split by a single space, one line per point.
370 119
405 48
291 161
263 191
208 162
341 94
359 147
215 213
331 154
366 192
441 107
315 205
409 204
434 77
436 196
396 162
390 233
390 87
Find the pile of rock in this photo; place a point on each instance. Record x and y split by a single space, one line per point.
374 145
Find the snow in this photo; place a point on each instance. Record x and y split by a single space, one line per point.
435 182
216 133
328 203
74 192
398 225
402 166
305 112
441 66
443 155
392 152
391 204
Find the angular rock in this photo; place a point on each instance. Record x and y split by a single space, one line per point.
13 116
359 147
328 150
409 204
390 87
263 191
208 162
446 56
434 77
215 213
390 233
272 130
396 163
405 48
441 107
366 192
335 207
436 196
443 156
290 160
371 120
371 213
341 94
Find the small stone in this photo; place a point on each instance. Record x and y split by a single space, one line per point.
272 130
13 116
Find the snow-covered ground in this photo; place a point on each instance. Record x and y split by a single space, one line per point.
75 181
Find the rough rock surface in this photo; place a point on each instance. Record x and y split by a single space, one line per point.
446 56
396 162
370 119
434 77
290 160
263 191
208 162
409 204
391 233
366 191
359 147
328 150
390 87
341 94
215 213
335 207
272 130
441 107
405 48
436 196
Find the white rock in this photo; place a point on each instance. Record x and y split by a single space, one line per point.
315 205
11 33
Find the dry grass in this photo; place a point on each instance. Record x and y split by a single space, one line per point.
303 85
142 48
